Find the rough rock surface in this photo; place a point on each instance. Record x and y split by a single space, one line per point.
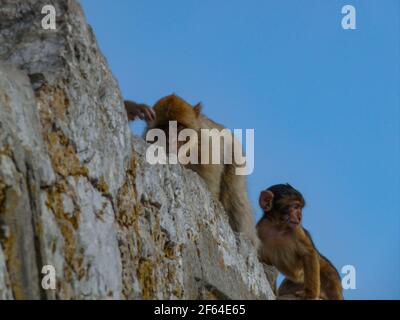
75 189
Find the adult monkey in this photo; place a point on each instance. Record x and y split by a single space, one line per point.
222 179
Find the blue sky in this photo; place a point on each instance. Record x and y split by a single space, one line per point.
324 103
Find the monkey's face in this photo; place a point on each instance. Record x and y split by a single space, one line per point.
287 213
291 214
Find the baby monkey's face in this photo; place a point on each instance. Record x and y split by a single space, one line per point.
290 214
284 210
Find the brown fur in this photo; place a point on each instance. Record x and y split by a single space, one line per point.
221 179
291 250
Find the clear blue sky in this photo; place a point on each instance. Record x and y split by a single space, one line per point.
324 103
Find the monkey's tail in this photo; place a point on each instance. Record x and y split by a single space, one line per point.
234 197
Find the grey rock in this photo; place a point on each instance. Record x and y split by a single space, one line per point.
77 193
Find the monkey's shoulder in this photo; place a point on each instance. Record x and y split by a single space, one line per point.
305 236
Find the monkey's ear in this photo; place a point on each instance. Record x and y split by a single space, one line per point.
266 200
197 108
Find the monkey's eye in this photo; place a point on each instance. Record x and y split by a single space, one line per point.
294 206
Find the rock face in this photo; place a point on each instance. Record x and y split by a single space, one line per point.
76 192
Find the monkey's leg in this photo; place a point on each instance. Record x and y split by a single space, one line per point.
235 199
331 285
289 289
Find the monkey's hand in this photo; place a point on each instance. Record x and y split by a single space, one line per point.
139 110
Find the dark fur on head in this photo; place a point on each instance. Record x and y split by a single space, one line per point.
284 193
174 108
287 191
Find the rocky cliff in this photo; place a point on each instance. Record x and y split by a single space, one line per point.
76 192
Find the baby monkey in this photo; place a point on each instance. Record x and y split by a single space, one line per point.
286 245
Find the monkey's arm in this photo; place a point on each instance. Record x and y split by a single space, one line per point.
311 275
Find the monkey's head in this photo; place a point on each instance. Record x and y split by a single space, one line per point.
282 204
174 108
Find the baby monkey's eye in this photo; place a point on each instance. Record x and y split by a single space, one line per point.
295 206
